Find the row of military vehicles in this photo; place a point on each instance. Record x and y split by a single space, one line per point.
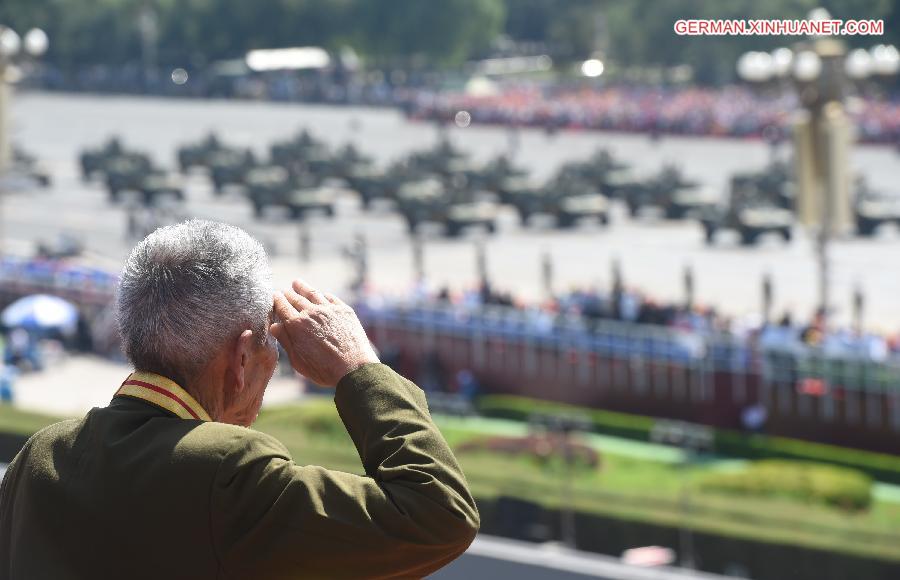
445 185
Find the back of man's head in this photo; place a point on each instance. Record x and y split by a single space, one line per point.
185 291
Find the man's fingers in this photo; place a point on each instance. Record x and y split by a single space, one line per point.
297 301
276 329
284 310
332 298
308 292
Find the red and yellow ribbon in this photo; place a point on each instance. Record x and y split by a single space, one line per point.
163 393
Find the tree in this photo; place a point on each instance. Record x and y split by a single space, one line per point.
445 32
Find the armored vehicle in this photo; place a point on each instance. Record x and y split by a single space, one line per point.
199 154
774 182
274 185
27 165
348 159
124 171
137 174
749 211
496 176
668 190
369 182
464 214
94 160
872 209
307 198
598 168
159 184
429 200
616 183
567 197
295 149
229 167
447 161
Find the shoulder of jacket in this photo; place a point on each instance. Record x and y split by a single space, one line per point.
60 429
233 444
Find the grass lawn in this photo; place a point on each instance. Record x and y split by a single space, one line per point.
19 422
625 486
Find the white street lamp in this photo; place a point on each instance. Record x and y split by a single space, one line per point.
9 42
756 67
36 42
592 68
807 66
819 15
781 61
858 64
885 60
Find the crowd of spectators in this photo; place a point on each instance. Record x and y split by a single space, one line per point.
591 307
730 111
727 112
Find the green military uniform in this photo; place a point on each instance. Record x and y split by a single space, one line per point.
148 487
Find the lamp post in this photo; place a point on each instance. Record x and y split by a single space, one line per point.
859 301
547 274
767 297
688 278
33 45
481 262
418 256
821 72
12 46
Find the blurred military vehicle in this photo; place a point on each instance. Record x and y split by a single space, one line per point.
497 175
873 209
751 211
774 182
430 200
348 159
65 245
668 190
594 168
447 161
230 167
298 148
370 182
567 196
136 173
601 169
94 160
199 154
27 166
273 185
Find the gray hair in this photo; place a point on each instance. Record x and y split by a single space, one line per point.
185 291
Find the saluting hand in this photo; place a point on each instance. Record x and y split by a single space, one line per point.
321 334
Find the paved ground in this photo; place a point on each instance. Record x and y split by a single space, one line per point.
71 385
493 557
653 253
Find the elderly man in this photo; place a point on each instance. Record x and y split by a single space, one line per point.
169 482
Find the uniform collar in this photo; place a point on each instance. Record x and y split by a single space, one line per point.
164 393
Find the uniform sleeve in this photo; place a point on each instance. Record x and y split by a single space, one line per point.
409 515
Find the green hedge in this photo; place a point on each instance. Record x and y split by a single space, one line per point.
880 466
606 422
840 487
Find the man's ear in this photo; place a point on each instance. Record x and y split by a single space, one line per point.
240 357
